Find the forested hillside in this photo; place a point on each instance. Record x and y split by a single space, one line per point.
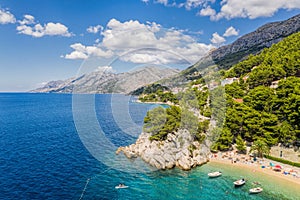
264 102
262 95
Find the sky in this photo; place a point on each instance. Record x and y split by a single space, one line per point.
49 40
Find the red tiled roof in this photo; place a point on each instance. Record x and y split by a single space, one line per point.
239 100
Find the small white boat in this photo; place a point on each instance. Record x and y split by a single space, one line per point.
239 182
214 174
255 190
121 186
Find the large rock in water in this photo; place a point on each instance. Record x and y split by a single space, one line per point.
174 151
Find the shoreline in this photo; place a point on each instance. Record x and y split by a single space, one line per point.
154 102
255 167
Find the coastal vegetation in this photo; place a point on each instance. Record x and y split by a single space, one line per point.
288 162
153 88
268 90
225 102
159 96
159 122
260 147
261 107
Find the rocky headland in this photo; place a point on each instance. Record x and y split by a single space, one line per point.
178 150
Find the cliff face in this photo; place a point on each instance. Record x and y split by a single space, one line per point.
108 82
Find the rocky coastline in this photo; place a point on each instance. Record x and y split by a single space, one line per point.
178 150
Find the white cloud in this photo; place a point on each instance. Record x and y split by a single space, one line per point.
76 55
194 51
28 26
83 52
142 43
208 11
192 4
217 39
145 1
94 29
189 4
148 56
56 29
105 69
28 19
234 8
231 31
252 8
128 35
164 2
6 17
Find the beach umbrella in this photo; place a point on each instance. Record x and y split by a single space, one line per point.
272 164
278 166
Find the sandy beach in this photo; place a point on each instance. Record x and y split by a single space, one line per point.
292 178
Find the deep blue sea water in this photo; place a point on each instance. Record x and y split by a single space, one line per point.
42 156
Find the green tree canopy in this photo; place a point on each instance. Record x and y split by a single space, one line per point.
260 147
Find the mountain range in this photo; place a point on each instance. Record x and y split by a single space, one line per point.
106 81
223 57
226 56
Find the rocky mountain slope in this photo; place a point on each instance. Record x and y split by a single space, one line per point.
254 42
226 56
108 82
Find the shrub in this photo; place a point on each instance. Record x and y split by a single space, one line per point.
288 162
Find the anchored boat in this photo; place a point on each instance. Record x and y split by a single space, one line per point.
214 174
239 182
255 190
121 186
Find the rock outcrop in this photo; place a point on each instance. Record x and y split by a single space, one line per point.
178 150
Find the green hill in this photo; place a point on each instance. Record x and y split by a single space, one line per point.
261 102
264 101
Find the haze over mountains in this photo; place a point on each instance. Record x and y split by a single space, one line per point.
106 81
224 57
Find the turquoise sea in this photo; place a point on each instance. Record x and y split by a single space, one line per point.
46 154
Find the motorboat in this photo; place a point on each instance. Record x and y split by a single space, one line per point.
255 190
121 186
214 174
239 182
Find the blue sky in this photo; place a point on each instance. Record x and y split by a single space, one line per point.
50 39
